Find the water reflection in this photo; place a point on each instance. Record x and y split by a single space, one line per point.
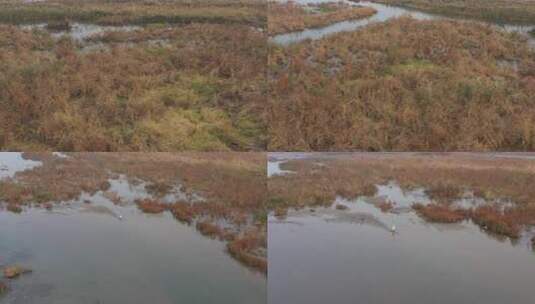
81 257
353 256
13 162
100 248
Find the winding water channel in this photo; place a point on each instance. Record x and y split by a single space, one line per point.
384 13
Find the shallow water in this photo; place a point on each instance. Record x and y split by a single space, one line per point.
130 192
91 250
92 258
352 256
384 13
81 31
274 168
13 162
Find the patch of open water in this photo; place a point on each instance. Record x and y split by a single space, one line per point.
353 256
13 162
88 257
100 248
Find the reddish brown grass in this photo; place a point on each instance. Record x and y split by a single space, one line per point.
440 213
183 212
201 91
404 85
242 247
385 206
491 218
444 191
151 206
208 229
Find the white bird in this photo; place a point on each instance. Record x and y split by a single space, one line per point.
120 217
393 229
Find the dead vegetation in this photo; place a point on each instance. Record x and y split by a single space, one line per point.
493 219
245 249
439 213
197 86
385 206
404 85
183 212
151 206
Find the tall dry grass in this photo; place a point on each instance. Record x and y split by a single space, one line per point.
203 90
404 85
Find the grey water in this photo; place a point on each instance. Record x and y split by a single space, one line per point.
13 162
274 168
95 250
352 256
384 13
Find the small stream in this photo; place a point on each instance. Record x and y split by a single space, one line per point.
384 13
352 256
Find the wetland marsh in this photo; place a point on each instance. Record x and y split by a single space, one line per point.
132 75
405 80
132 228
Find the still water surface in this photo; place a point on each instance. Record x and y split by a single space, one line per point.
352 256
101 252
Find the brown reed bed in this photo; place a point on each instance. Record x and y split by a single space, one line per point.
200 87
404 85
151 206
439 213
